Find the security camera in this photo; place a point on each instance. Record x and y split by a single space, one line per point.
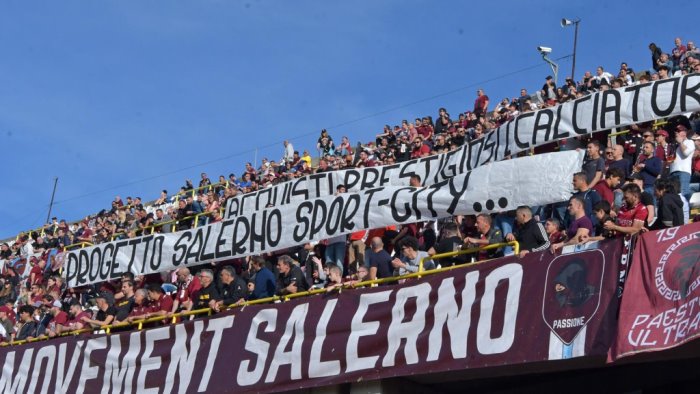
544 49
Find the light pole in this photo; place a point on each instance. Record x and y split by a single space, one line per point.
568 22
544 51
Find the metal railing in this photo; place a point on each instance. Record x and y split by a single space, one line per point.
627 131
173 317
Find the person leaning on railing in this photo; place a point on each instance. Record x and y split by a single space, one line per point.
490 235
529 233
105 312
233 289
581 225
633 214
208 293
411 257
291 279
26 326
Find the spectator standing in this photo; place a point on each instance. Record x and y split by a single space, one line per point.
648 169
594 165
655 56
549 90
605 187
602 75
619 161
124 305
583 191
288 155
670 212
522 100
529 233
681 167
481 104
449 242
378 260
188 286
580 228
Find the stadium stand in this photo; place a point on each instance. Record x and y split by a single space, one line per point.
36 304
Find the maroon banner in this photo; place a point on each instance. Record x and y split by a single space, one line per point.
660 306
542 307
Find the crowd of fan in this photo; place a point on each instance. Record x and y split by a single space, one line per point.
639 181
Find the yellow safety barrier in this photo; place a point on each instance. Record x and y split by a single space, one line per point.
194 191
514 244
173 223
78 245
655 126
173 317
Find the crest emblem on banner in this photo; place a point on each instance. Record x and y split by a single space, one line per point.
677 274
572 292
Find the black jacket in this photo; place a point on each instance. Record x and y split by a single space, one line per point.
532 236
205 295
234 291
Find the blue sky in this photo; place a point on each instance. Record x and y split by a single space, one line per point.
130 97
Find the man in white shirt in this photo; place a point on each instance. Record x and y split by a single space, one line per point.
288 152
682 166
602 75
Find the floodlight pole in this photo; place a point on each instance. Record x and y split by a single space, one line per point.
53 194
566 22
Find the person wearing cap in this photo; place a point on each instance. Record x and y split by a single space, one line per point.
663 149
682 165
59 321
105 312
549 90
43 311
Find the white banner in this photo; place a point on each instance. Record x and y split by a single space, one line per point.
533 180
588 114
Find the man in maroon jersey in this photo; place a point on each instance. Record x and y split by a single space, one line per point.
632 215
